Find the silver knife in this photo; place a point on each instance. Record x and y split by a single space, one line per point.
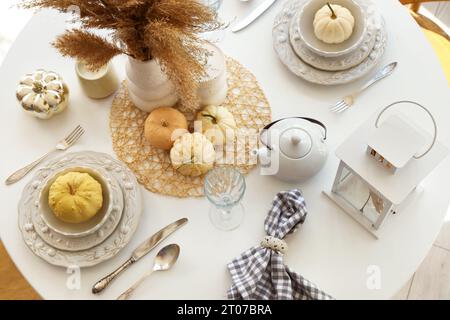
253 15
144 248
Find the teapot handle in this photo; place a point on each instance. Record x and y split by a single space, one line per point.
317 122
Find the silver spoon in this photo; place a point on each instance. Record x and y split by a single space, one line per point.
164 260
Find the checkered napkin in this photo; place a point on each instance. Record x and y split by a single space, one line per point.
259 273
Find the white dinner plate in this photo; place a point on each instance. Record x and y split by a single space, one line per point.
113 244
283 47
63 242
332 63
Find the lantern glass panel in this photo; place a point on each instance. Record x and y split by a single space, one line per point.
359 195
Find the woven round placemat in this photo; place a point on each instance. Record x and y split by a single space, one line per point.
152 166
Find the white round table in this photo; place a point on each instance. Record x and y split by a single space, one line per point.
329 249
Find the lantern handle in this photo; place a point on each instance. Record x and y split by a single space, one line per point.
426 110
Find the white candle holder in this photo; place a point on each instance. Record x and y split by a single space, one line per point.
97 84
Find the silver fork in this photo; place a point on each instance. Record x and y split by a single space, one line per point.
62 145
348 101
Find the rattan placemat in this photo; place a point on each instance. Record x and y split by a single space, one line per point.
152 166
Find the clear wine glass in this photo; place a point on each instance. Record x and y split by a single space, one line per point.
224 188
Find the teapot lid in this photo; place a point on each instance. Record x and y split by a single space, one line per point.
295 143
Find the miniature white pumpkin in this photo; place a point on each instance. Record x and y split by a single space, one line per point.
192 154
43 94
333 25
216 121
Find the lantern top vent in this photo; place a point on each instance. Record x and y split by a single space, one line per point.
394 187
397 141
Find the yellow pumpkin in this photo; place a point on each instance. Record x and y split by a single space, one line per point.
216 122
192 154
333 25
75 197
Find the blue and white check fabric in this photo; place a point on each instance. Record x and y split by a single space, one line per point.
259 273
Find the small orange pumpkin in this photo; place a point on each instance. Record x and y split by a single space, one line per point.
161 125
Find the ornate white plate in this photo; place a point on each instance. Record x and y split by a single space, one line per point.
282 46
113 244
332 63
62 242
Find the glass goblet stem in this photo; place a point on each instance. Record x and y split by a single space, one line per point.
226 213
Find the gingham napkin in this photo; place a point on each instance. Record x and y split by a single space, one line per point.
259 273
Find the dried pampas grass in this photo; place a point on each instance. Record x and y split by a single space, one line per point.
165 30
95 50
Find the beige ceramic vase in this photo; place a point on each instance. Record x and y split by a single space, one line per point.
148 86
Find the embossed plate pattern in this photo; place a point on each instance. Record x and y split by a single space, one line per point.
282 46
332 63
76 244
113 244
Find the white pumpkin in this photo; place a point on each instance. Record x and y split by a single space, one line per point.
192 154
43 94
333 28
216 122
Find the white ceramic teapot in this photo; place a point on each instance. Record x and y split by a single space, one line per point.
294 148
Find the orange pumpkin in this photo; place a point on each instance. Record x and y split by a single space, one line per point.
161 124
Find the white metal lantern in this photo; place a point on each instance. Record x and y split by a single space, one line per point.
382 164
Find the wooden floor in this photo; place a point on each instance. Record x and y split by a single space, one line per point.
432 279
12 285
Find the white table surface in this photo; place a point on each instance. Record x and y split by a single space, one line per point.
330 249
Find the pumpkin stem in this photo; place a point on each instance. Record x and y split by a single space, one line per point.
214 120
71 189
37 87
333 15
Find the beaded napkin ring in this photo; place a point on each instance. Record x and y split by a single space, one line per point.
274 244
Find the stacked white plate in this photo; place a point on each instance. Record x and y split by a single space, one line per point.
95 241
314 67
